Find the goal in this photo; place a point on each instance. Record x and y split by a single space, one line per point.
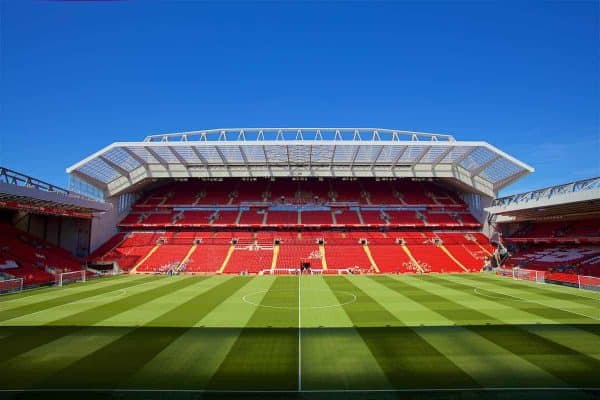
290 271
65 278
588 282
529 275
11 285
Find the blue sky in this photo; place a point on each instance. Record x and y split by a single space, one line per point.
524 76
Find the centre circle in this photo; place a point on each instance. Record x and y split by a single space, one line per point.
287 299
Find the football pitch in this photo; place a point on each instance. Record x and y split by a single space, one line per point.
380 336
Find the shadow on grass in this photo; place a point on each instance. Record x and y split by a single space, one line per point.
133 359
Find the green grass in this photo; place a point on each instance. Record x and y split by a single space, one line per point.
397 334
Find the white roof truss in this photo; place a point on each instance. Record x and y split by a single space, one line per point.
286 152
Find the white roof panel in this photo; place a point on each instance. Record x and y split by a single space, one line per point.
246 152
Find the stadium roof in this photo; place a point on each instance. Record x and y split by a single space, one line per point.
569 200
22 192
295 152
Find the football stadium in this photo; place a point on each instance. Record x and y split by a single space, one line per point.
299 263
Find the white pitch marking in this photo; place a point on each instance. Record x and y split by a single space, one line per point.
299 335
536 302
120 293
550 287
352 300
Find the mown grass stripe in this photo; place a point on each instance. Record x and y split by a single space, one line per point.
539 290
26 338
52 291
143 343
333 353
544 311
573 368
69 298
407 360
195 356
265 358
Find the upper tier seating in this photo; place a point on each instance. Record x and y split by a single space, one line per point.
253 216
441 219
226 217
199 203
282 218
372 217
559 231
576 259
346 217
195 218
316 217
404 218
347 191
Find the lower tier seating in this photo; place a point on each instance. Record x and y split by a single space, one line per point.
35 260
252 252
207 258
251 259
347 256
433 259
164 258
391 258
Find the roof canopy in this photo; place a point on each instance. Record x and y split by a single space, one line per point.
294 152
569 200
22 192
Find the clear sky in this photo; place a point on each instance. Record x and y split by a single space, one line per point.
524 76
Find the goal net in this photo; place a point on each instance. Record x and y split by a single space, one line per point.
11 285
65 278
290 271
588 282
529 275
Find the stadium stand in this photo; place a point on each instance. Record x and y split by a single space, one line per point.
560 238
236 211
342 249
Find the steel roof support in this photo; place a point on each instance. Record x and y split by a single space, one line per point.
116 166
443 155
182 160
420 157
483 166
220 153
158 158
137 158
464 156
399 156
377 156
200 157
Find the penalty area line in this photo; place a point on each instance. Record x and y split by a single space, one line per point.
531 301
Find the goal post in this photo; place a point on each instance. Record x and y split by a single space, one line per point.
588 282
529 275
289 271
65 278
12 285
